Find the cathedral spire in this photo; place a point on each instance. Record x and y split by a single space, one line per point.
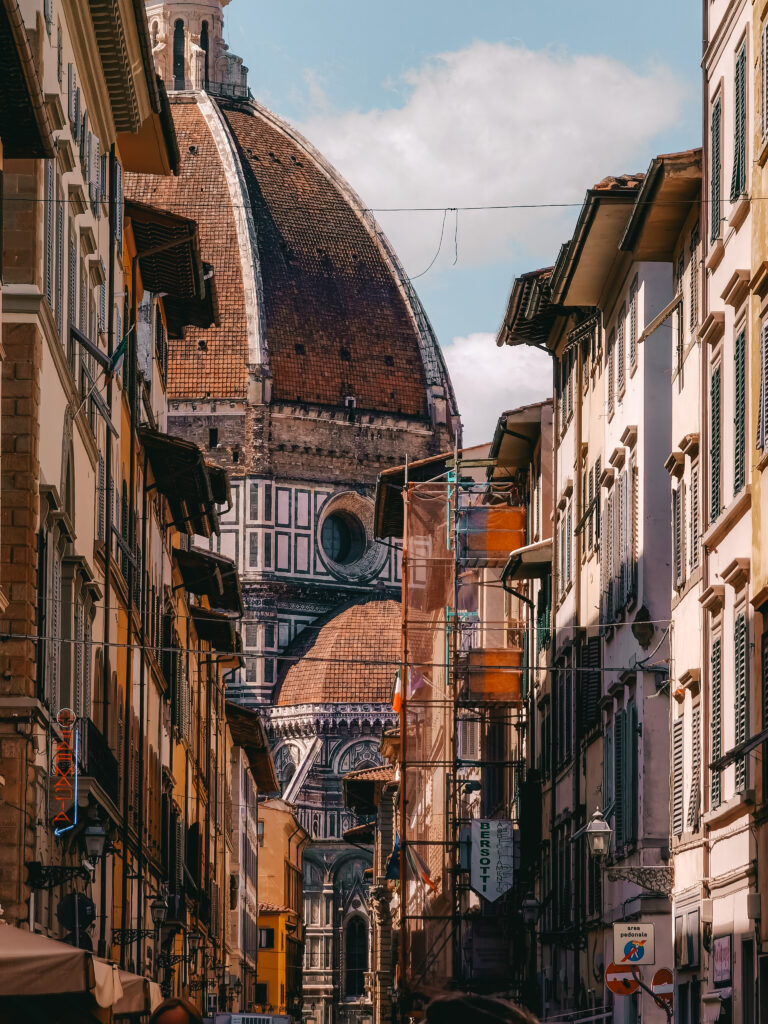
189 49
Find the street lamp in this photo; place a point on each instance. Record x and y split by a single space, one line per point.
158 908
530 909
599 834
194 939
95 838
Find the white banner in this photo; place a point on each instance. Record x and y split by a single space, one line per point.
492 863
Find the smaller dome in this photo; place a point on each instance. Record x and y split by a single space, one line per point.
346 656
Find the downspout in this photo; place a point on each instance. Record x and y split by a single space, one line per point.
576 549
142 702
109 503
127 703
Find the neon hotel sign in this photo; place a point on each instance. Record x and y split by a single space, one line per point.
65 772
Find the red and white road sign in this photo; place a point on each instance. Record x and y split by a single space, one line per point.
663 986
619 979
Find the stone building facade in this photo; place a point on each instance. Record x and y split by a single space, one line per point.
321 372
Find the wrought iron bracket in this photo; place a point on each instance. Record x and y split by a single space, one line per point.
126 936
48 876
658 879
170 960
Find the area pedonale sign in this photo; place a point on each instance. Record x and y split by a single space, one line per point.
634 943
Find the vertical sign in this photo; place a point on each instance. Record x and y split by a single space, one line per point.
492 862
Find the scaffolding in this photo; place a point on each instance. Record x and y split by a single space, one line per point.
462 724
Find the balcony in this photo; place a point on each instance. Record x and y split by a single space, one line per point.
98 762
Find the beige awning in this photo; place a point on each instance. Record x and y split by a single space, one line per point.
31 963
532 562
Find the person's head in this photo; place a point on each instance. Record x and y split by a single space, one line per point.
459 1008
176 1011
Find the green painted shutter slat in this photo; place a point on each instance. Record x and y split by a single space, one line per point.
762 409
676 536
740 416
695 797
630 774
716 721
716 171
740 674
739 173
714 433
622 348
677 777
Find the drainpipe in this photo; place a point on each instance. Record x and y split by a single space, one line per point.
108 525
142 702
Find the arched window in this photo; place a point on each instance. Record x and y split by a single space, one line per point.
178 55
356 956
205 46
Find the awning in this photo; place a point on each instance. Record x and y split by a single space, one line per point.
181 474
206 574
168 247
739 751
248 732
362 788
24 124
32 963
533 562
216 629
388 515
364 833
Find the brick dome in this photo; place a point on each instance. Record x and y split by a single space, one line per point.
313 304
346 656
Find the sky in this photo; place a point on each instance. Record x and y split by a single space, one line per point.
460 103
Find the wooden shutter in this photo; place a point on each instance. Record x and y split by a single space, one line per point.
590 505
631 774
714 434
619 740
740 677
739 172
633 324
693 312
50 225
568 541
764 81
694 525
590 686
715 170
762 407
716 721
678 797
694 801
71 80
72 296
59 294
621 354
611 360
676 538
118 204
608 765
740 416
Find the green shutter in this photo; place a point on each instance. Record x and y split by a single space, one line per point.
740 676
631 774
678 801
762 408
716 171
676 539
695 797
739 173
716 725
740 416
714 433
618 776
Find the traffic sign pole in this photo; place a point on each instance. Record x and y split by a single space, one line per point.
661 1003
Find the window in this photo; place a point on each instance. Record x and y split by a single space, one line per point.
739 416
678 535
633 324
609 365
213 437
694 801
178 55
625 766
678 781
693 311
356 956
260 832
590 683
739 173
715 170
716 734
266 938
762 407
741 672
715 439
49 231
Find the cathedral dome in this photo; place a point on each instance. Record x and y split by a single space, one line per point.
314 307
347 656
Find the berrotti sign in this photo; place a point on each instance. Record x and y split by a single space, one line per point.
492 863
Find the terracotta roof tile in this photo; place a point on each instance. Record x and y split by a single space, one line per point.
346 656
379 773
619 183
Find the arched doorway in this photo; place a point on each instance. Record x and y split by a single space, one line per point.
356 956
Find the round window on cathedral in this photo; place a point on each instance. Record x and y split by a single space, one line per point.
343 538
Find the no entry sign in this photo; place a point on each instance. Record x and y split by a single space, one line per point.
619 979
663 985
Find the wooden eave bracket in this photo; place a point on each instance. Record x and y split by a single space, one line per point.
618 457
736 573
675 464
737 289
713 328
629 437
713 598
689 445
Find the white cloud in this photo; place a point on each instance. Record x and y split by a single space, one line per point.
496 124
488 380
